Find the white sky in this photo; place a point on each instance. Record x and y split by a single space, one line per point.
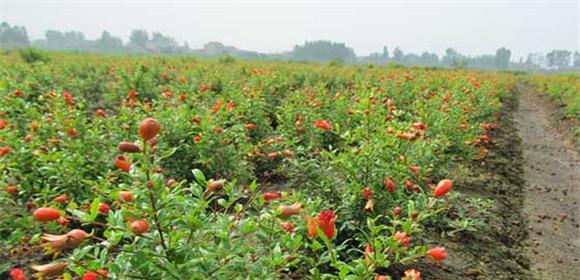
471 27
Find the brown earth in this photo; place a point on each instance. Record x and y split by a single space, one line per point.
552 195
496 250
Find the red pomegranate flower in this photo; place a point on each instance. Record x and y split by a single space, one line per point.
322 124
412 274
443 188
132 95
367 192
90 276
68 98
123 162
437 254
17 274
326 220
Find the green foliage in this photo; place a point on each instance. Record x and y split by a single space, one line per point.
239 144
563 89
31 55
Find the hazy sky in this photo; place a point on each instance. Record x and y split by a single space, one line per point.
471 27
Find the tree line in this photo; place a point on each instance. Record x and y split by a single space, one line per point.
143 42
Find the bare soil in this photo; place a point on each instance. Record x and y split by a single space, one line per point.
496 250
552 196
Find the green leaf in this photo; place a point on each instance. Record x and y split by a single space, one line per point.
94 209
199 176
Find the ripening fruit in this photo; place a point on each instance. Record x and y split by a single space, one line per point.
149 128
368 252
126 196
11 189
273 155
397 211
443 188
45 214
390 184
370 206
139 227
128 147
405 242
271 195
104 208
437 254
399 235
61 198
215 185
62 221
250 126
101 113
287 211
5 150
287 226
48 270
152 141
170 182
288 153
419 125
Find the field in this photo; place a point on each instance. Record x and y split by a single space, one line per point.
118 167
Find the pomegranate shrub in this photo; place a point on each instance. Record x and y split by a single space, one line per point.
170 168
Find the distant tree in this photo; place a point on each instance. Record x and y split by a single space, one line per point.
54 39
398 55
323 51
486 62
429 59
412 59
502 58
576 62
13 36
559 58
108 43
452 58
71 40
139 37
163 44
74 40
385 53
214 48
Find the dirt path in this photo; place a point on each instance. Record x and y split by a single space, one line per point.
552 202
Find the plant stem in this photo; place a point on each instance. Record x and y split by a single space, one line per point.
153 203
